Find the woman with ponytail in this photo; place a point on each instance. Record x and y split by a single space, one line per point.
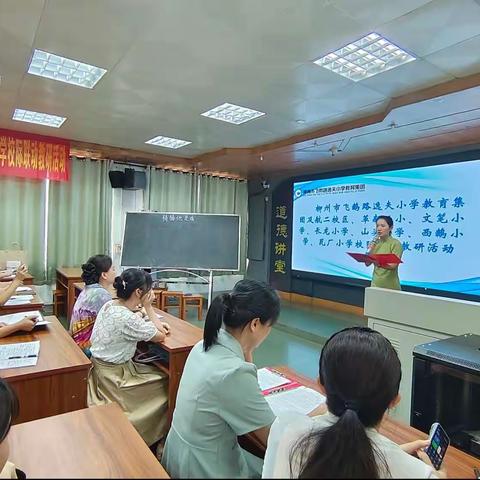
219 397
360 375
98 273
139 389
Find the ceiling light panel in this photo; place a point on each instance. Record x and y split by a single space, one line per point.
37 117
232 113
369 56
167 142
63 69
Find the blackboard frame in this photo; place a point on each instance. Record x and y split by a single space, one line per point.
183 267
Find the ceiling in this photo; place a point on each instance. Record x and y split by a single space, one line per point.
168 61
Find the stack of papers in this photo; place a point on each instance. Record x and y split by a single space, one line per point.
18 300
17 355
16 317
286 395
300 400
268 379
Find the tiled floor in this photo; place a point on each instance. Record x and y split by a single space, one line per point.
297 338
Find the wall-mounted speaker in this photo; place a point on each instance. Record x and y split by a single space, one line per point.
116 178
134 180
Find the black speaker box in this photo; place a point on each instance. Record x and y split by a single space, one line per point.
116 178
134 180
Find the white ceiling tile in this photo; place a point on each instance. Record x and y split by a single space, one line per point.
376 12
460 60
437 25
398 81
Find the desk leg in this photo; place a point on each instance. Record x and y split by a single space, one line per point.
176 364
62 285
70 299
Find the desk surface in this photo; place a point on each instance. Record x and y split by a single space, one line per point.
58 352
457 463
70 272
36 303
79 286
183 335
95 442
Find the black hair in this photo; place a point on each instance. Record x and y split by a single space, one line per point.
94 267
361 373
249 300
130 280
8 408
387 218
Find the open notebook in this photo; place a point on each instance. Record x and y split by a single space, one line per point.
286 395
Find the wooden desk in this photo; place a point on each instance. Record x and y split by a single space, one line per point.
58 383
35 304
178 344
66 277
457 463
97 442
27 281
77 289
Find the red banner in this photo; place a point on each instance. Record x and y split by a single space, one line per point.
34 156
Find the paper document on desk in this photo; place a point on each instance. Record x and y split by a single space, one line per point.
300 400
268 379
24 290
16 317
16 355
18 300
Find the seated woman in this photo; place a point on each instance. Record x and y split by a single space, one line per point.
360 376
98 274
219 397
10 289
8 412
141 390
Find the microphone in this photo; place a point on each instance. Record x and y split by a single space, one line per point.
374 242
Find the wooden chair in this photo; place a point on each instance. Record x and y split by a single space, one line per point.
59 300
192 301
172 300
157 291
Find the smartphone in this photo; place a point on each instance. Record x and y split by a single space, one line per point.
439 442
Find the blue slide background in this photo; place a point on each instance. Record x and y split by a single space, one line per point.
436 213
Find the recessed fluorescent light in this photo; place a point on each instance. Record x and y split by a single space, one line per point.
232 113
36 117
63 69
364 58
167 142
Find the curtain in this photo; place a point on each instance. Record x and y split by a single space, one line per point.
222 195
79 216
171 191
22 214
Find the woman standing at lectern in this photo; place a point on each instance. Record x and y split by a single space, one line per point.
387 275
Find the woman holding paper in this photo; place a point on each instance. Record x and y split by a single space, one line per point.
385 276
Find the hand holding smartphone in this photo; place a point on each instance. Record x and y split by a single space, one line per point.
439 442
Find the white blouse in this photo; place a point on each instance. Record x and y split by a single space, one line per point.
116 332
289 428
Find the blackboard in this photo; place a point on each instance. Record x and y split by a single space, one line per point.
181 240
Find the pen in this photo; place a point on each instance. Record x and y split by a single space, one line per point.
22 356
